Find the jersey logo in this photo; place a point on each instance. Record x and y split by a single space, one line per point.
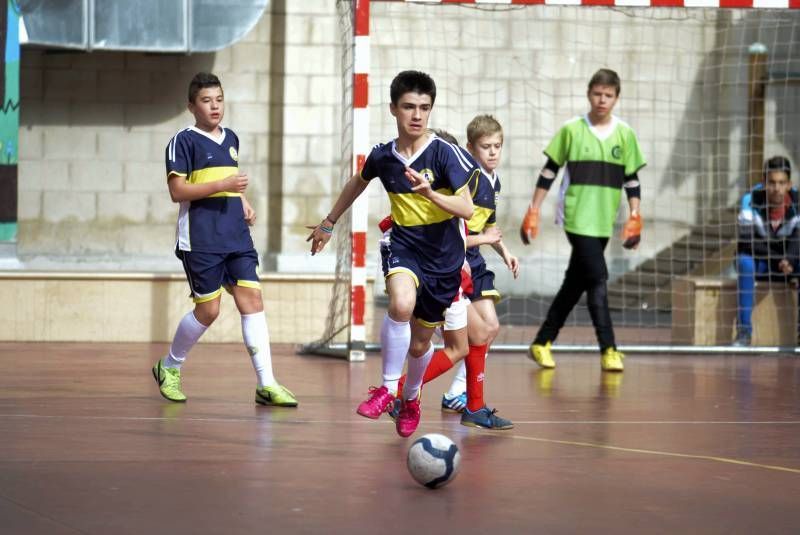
616 152
428 174
209 156
233 154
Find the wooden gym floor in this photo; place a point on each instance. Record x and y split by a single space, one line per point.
676 444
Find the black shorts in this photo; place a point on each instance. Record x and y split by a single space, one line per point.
483 283
207 273
435 291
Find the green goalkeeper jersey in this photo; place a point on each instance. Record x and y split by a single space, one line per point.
597 167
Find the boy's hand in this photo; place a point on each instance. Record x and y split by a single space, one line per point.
632 231
235 183
249 213
492 235
419 184
512 263
530 225
785 266
318 236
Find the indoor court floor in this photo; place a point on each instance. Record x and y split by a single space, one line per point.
675 444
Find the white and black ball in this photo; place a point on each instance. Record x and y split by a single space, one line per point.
433 460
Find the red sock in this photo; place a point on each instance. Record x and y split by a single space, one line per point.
438 365
476 364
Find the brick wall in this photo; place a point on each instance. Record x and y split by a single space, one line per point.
93 130
94 126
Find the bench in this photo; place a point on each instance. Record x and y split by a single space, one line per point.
704 312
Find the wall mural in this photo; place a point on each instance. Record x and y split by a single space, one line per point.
9 120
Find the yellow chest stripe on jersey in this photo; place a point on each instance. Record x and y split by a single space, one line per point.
480 216
214 174
412 209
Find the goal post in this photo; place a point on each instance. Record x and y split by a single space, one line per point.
688 89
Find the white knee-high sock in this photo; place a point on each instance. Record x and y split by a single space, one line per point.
256 339
459 384
395 338
416 372
186 336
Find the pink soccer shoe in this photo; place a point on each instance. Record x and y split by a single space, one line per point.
377 402
408 418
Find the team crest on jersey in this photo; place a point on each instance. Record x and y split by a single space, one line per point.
616 152
233 154
428 174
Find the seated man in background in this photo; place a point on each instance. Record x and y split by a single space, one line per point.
769 239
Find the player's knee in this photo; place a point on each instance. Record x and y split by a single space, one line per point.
207 313
478 333
417 348
744 264
401 309
248 300
597 293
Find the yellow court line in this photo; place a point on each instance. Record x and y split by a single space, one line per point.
662 453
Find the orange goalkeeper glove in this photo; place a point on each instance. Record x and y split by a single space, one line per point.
530 225
632 232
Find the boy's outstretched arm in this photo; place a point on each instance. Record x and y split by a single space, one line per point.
182 191
459 205
320 234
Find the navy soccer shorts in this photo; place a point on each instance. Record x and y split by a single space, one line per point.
208 273
435 292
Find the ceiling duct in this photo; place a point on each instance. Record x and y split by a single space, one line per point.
139 25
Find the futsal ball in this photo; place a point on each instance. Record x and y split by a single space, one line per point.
433 460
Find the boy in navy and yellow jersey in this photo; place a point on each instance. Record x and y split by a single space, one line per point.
485 144
213 241
461 325
427 181
602 156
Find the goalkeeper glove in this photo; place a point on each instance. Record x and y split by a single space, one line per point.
632 231
530 225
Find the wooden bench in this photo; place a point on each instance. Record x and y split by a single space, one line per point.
704 312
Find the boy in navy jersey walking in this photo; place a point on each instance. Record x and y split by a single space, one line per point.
213 241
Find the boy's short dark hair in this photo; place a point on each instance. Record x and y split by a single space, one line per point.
412 82
778 163
200 81
445 135
605 77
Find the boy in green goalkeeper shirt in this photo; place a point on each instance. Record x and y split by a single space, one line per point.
602 156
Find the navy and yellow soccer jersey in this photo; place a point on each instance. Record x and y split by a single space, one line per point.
214 224
597 166
485 193
419 225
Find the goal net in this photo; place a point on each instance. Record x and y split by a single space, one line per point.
710 93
